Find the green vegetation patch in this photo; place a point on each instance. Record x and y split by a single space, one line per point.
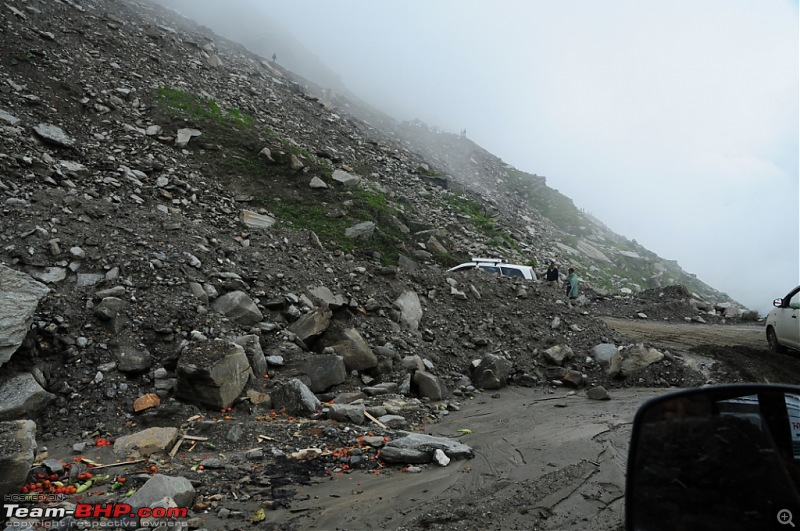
484 224
359 205
200 108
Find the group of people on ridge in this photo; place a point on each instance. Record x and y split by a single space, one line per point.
570 285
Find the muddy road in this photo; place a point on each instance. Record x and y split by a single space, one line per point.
544 459
725 353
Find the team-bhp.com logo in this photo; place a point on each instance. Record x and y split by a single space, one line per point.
94 510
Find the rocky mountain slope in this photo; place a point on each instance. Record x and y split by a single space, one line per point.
210 265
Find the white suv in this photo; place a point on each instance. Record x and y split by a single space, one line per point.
498 266
783 322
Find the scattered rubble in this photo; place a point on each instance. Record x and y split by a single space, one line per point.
158 314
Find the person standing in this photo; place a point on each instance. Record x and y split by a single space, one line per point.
551 275
571 284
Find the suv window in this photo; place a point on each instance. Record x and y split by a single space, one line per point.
491 269
509 272
794 302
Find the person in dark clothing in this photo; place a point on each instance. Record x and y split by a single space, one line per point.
551 275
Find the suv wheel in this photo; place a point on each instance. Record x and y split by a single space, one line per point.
774 346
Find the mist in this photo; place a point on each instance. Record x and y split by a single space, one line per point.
674 123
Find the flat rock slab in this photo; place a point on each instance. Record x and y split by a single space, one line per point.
54 135
420 448
21 397
159 487
146 442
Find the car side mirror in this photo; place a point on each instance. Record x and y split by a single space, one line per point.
777 302
724 457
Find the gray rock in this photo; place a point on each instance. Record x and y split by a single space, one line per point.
598 393
395 422
159 487
17 450
19 297
214 61
608 357
317 184
311 324
638 357
410 309
326 296
53 135
492 372
22 396
347 413
199 293
429 386
361 230
235 434
417 448
349 344
133 360
324 371
385 388
574 378
7 118
254 353
89 279
185 135
558 355
49 275
146 442
116 291
266 154
295 397
404 262
212 373
238 307
255 220
109 312
412 363
342 177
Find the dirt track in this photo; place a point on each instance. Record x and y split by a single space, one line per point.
732 353
688 336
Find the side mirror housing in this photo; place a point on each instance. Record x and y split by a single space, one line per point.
723 457
777 303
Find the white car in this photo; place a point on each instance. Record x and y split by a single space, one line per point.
783 322
498 266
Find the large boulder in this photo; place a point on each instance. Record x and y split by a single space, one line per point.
295 398
19 297
17 449
324 371
21 396
312 324
410 309
558 355
492 372
159 487
429 386
255 355
213 373
146 442
238 307
608 357
638 357
349 344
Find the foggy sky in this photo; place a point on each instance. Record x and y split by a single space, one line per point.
675 122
